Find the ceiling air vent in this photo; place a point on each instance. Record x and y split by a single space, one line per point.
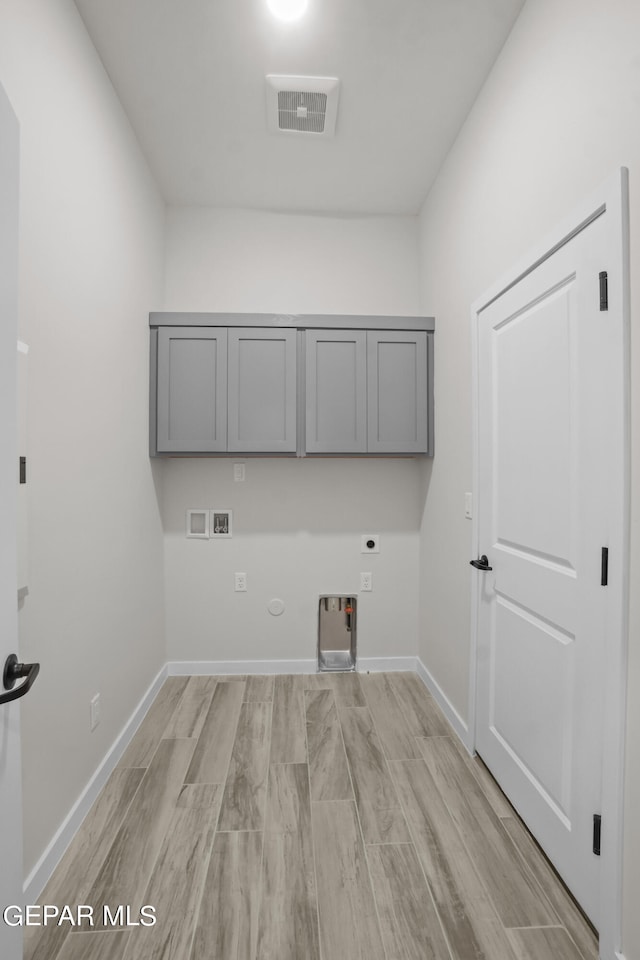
302 105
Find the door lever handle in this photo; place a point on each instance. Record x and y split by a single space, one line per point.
482 563
14 671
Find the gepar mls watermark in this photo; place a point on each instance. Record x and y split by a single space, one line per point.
78 915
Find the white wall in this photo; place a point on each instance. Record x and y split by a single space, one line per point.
557 116
297 524
91 267
244 260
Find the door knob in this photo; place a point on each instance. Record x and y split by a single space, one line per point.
14 671
482 563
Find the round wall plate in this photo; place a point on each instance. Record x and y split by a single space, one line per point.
275 607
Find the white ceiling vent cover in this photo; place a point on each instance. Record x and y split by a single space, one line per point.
302 104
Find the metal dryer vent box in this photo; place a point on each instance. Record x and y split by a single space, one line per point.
337 633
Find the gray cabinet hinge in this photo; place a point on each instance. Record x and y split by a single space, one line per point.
597 832
604 290
604 567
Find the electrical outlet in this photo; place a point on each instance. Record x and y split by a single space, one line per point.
239 472
370 543
94 711
240 582
366 582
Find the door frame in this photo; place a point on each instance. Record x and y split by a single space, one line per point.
11 795
612 199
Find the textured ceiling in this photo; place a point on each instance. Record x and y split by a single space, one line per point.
190 75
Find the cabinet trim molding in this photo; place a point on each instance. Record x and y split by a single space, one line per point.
300 321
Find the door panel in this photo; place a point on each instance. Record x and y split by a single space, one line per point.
336 371
397 392
535 402
262 391
192 390
530 656
543 500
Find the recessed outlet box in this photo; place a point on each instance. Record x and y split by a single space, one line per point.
221 524
94 711
240 582
370 543
198 524
366 582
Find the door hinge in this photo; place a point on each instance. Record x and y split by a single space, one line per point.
597 832
23 469
604 290
604 567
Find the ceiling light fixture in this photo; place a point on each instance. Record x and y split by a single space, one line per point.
287 10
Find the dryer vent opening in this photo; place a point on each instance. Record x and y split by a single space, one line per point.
337 633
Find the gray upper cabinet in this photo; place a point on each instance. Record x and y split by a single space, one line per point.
336 391
397 392
191 390
262 391
306 385
366 392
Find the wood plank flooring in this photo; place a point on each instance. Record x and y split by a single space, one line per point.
331 817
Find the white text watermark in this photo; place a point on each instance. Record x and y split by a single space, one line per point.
81 914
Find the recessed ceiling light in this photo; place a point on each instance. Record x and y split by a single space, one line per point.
287 9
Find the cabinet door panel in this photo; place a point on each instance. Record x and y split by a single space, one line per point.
336 391
192 390
397 392
262 390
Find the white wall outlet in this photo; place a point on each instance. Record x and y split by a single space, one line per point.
239 472
366 582
370 543
240 582
468 506
94 711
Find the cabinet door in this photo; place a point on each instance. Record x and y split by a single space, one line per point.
192 390
262 390
336 391
397 391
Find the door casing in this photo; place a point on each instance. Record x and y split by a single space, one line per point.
612 199
10 779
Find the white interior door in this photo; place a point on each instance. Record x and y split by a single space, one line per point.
548 488
10 793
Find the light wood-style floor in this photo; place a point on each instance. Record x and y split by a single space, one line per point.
326 817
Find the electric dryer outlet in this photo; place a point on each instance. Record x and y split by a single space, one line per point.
370 543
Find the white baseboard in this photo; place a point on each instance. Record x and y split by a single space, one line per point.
438 694
39 876
212 668
388 664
